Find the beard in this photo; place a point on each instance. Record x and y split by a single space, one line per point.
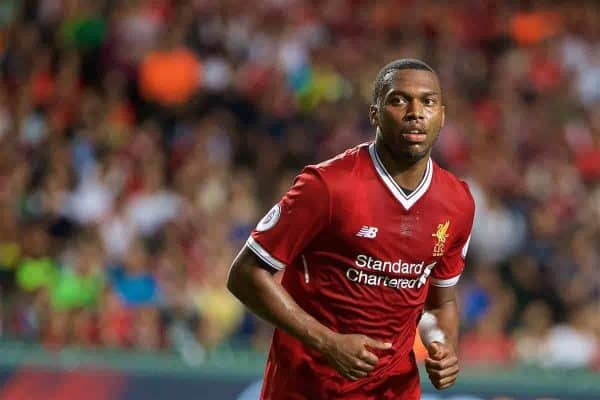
408 153
411 155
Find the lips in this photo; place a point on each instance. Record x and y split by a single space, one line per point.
414 135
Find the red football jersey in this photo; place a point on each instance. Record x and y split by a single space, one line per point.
359 255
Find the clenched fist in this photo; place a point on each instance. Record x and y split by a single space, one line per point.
442 365
350 356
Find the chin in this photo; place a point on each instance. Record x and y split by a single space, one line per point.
413 154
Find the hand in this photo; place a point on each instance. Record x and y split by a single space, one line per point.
349 355
442 365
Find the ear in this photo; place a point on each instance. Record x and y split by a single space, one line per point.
373 117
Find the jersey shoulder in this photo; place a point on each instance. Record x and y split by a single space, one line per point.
343 165
328 180
454 187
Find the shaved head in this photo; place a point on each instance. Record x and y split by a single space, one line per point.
386 74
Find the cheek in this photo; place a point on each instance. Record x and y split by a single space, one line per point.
392 117
435 120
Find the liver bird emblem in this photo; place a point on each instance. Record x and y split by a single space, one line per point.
441 235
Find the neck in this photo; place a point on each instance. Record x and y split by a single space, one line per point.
407 172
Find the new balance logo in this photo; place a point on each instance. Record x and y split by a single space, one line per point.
367 232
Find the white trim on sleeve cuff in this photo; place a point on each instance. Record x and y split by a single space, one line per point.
445 282
465 248
263 254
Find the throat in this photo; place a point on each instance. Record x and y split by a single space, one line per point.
407 174
406 191
410 180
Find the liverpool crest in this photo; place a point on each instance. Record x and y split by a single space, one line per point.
441 235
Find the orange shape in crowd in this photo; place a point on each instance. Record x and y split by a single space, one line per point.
170 77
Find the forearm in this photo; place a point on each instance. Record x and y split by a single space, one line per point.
439 326
257 289
446 320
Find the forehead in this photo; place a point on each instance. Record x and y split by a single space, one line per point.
412 80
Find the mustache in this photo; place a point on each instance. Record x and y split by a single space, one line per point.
413 128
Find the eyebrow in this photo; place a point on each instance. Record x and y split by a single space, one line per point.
403 93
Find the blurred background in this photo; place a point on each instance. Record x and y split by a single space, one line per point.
141 141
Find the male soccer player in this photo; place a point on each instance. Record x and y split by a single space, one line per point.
367 240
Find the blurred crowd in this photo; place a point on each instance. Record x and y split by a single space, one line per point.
141 141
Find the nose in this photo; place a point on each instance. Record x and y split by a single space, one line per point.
414 110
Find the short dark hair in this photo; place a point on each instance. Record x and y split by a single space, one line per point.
383 76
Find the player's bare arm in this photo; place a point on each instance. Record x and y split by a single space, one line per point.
439 332
254 285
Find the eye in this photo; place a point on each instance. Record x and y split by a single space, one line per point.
397 100
429 101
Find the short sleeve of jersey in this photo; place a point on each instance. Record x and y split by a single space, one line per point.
448 270
292 223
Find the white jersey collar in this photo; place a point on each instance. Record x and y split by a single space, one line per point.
409 200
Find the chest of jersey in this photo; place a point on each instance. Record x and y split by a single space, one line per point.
372 222
385 249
